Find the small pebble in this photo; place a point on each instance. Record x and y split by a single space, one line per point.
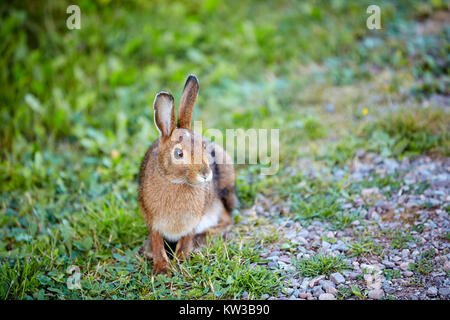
432 291
445 292
316 280
337 278
408 274
317 291
404 266
327 296
376 294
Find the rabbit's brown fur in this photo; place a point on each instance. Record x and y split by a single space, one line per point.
183 198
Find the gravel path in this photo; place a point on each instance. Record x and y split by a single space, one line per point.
406 235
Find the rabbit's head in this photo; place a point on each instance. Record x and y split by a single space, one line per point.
181 152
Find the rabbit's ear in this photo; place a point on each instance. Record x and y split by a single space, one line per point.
164 113
187 102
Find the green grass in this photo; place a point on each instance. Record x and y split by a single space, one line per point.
75 108
220 271
320 264
342 220
226 271
18 279
400 239
364 247
313 128
424 264
390 274
411 132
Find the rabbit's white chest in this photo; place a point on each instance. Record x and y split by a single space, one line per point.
210 218
174 226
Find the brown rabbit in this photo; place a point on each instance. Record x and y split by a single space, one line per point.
186 183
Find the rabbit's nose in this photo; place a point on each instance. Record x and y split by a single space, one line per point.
205 174
205 171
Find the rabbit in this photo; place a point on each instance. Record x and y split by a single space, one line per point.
183 200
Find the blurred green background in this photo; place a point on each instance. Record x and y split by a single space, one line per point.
76 116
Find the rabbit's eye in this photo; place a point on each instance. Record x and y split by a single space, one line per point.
178 153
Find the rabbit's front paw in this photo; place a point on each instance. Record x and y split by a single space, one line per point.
161 267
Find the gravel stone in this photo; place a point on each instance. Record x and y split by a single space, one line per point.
317 291
376 294
331 290
388 264
405 253
428 215
339 246
327 296
445 292
354 275
404 266
326 284
304 284
303 295
289 291
315 281
447 265
337 278
432 291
